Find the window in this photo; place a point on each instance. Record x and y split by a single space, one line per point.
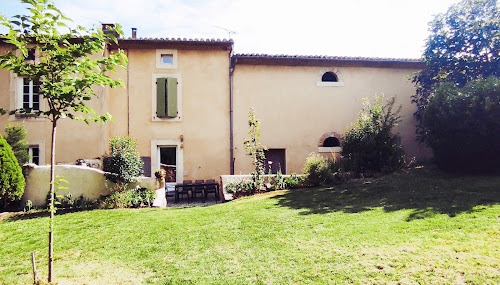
329 77
166 97
34 154
166 58
31 54
30 95
331 142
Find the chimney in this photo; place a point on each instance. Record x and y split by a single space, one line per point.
134 33
108 29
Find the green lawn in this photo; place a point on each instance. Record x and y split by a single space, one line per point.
421 227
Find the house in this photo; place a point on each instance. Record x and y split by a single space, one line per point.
186 103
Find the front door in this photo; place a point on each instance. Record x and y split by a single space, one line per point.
168 162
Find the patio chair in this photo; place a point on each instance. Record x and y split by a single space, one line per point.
186 188
198 188
212 187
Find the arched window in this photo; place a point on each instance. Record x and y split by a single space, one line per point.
331 142
329 77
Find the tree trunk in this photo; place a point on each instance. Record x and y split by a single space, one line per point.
52 195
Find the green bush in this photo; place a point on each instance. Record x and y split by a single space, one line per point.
123 163
135 197
11 176
15 135
140 197
294 181
239 187
316 170
462 125
369 144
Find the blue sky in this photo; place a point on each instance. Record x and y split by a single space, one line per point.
383 28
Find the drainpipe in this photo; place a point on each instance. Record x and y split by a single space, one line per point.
231 124
128 97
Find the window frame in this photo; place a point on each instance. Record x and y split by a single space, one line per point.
31 94
41 154
154 117
17 99
160 64
336 72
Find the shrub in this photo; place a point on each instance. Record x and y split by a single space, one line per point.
123 163
369 144
316 170
462 125
140 197
15 135
279 181
294 181
11 176
238 187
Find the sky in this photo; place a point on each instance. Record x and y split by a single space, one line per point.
359 28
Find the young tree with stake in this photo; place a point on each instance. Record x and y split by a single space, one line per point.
69 61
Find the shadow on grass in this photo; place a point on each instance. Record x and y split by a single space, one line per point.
426 190
40 214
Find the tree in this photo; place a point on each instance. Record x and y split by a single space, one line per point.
15 135
68 63
464 45
11 177
255 149
123 163
369 143
463 125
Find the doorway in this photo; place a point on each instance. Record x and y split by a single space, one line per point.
275 160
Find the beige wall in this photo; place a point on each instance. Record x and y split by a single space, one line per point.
75 139
204 123
82 180
295 112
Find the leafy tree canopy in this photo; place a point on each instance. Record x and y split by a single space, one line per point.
68 60
464 45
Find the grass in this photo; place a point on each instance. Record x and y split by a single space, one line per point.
420 227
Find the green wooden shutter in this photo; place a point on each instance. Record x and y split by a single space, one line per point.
172 97
160 97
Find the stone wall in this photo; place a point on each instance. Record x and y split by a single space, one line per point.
83 180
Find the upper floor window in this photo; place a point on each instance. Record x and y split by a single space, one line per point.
167 98
166 58
30 95
330 78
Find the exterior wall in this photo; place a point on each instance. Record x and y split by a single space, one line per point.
74 140
295 112
201 134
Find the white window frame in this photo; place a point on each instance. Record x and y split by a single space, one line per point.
41 152
160 64
30 103
179 156
336 71
16 99
155 118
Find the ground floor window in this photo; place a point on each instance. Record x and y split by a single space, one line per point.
34 154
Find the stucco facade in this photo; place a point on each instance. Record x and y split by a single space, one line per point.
298 110
200 133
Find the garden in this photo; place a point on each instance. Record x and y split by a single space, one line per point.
368 216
